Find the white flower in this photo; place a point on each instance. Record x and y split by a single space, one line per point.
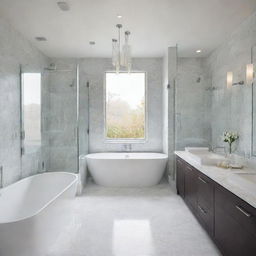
230 137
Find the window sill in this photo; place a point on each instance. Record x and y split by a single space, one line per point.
127 141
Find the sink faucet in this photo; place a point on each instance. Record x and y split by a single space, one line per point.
215 149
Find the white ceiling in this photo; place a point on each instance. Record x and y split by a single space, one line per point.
154 24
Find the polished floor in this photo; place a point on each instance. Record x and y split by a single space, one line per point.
132 222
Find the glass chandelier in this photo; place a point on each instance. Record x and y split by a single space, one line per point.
121 59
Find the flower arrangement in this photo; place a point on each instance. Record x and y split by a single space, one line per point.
230 137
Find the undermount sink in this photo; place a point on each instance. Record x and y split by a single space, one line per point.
246 180
207 158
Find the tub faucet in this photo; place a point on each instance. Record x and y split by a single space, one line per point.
127 147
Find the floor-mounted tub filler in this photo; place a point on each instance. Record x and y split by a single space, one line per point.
127 169
33 212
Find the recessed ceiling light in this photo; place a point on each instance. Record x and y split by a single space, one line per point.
198 51
63 5
92 43
119 16
40 38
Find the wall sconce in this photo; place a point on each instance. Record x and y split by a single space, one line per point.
239 83
249 77
249 74
229 79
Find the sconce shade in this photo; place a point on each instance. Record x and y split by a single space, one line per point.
229 79
249 74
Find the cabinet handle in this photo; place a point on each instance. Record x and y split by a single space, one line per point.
189 168
243 211
201 209
201 179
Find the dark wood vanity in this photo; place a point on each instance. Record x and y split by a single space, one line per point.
230 221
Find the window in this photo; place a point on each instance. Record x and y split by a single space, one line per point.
31 111
125 106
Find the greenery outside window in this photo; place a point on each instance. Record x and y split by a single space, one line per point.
125 106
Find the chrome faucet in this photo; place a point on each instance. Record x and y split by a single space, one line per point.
214 149
127 147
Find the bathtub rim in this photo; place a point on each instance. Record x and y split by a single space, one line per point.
49 202
96 156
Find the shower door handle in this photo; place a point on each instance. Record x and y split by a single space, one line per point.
75 132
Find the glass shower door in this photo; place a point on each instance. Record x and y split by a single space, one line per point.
60 119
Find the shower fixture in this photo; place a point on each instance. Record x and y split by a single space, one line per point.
211 88
121 58
73 83
52 67
63 6
40 38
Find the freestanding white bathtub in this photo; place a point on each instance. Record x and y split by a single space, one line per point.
33 212
127 169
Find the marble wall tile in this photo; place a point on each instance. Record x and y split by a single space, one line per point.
231 108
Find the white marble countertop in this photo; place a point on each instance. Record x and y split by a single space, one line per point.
224 178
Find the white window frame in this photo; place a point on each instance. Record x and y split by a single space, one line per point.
126 140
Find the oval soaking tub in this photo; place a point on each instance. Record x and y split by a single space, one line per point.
34 211
127 169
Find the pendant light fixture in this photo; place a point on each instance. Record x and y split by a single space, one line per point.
121 58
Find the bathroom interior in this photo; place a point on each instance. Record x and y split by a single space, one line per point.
128 128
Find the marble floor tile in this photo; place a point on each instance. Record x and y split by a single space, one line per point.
132 222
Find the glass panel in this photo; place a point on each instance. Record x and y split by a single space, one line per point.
193 92
31 105
83 104
60 119
125 106
254 104
50 108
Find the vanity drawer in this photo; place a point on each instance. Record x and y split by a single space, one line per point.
191 187
205 191
205 216
240 211
205 201
231 237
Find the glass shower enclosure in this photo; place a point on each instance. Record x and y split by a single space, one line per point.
61 119
62 134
